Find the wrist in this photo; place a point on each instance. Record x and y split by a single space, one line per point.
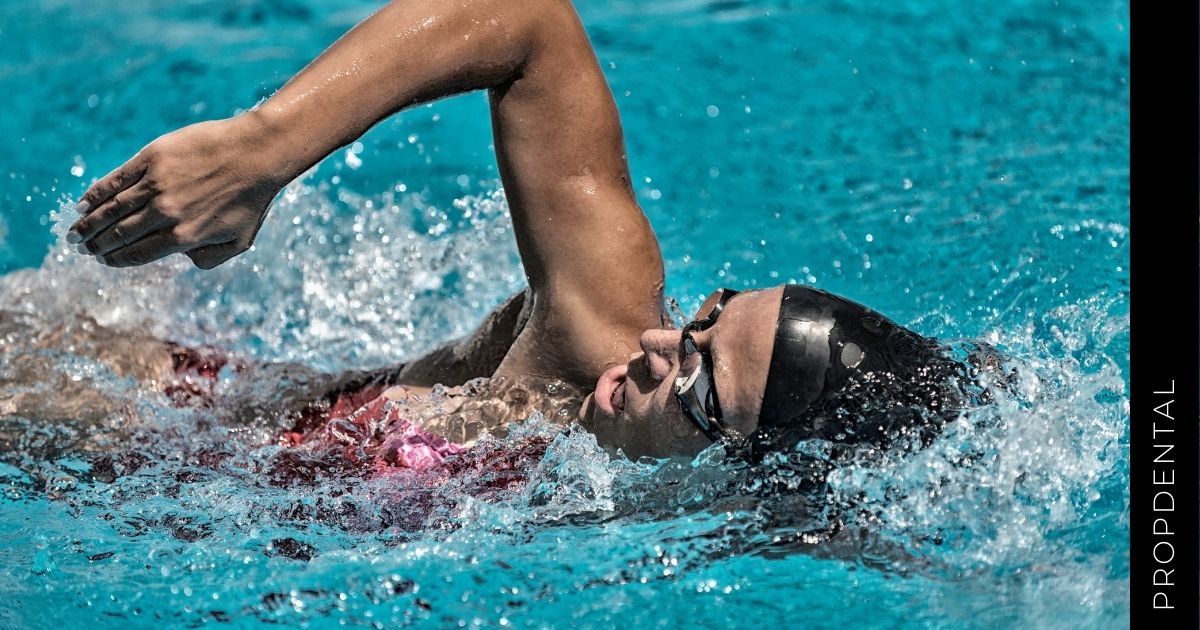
267 141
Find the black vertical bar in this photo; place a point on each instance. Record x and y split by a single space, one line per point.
1164 313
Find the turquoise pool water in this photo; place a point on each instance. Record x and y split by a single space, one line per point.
961 167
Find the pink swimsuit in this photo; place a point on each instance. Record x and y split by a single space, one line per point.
369 430
363 424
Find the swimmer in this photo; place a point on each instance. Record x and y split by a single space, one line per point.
764 368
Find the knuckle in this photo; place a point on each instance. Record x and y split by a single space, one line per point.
115 182
105 214
124 200
152 152
169 206
182 234
137 194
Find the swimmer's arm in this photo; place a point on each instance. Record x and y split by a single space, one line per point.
591 259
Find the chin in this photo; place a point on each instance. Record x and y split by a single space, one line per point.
656 451
611 435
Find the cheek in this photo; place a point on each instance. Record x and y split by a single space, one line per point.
666 424
643 405
653 423
679 427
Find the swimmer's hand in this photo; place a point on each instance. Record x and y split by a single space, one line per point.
202 191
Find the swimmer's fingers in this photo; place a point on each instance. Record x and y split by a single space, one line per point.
108 187
145 250
210 256
117 207
126 232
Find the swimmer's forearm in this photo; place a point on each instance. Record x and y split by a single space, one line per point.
409 52
589 254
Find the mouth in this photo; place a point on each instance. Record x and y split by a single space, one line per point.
610 390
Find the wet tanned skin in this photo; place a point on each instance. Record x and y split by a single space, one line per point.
593 264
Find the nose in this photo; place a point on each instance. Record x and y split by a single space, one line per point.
662 351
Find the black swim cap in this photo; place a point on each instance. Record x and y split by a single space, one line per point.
841 371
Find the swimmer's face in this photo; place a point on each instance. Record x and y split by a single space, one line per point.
634 407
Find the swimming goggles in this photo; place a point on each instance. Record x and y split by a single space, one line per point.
696 392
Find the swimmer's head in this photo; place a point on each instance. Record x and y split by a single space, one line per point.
767 368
